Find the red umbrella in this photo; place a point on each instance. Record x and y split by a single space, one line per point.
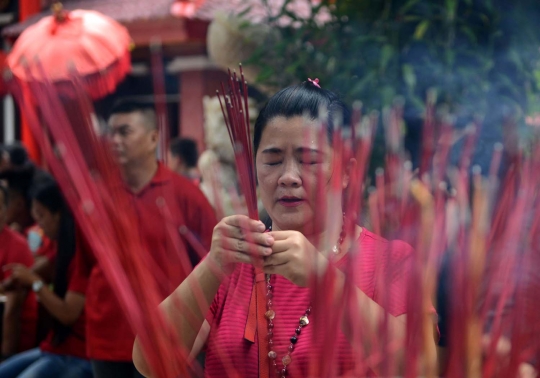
86 43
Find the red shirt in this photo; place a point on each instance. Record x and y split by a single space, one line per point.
109 336
14 249
48 250
227 350
75 342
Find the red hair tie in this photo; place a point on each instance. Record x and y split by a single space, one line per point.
314 82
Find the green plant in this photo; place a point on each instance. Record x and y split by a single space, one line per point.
481 56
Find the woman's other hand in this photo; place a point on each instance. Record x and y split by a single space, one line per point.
293 257
21 275
239 239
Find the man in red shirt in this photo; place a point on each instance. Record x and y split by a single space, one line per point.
182 158
20 309
134 138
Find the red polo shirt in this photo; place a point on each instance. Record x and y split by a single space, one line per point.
109 336
14 250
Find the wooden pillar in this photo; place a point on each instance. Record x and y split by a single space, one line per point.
194 85
192 91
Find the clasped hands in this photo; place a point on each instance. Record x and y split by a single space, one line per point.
20 277
239 239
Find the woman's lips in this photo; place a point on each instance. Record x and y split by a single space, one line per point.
290 202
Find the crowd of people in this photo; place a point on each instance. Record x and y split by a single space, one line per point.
61 318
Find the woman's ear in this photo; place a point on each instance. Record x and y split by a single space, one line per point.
349 168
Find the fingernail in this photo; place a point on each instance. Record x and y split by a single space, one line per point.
268 251
269 239
260 227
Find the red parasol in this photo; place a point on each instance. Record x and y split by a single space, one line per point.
86 43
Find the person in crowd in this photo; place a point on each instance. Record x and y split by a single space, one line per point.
297 245
20 307
13 156
19 182
63 352
134 138
182 158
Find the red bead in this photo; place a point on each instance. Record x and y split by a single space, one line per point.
270 343
270 335
308 311
291 347
269 287
269 303
270 325
283 372
269 295
298 330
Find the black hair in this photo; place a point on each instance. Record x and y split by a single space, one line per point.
131 106
18 156
48 194
186 149
299 100
22 179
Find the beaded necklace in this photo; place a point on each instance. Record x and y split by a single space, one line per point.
270 314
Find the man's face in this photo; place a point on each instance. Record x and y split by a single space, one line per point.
175 163
132 140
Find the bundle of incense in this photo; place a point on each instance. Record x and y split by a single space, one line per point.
484 231
92 185
235 109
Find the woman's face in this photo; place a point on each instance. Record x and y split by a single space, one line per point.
292 162
46 219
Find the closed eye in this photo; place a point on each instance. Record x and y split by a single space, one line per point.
274 163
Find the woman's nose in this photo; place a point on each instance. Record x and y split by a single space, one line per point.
290 175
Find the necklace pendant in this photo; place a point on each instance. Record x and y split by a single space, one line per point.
270 314
304 321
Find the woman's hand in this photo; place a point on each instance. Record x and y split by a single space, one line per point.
239 239
21 275
293 257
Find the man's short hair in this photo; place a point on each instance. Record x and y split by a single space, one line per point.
145 108
185 149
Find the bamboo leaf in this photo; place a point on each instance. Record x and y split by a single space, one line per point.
421 29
